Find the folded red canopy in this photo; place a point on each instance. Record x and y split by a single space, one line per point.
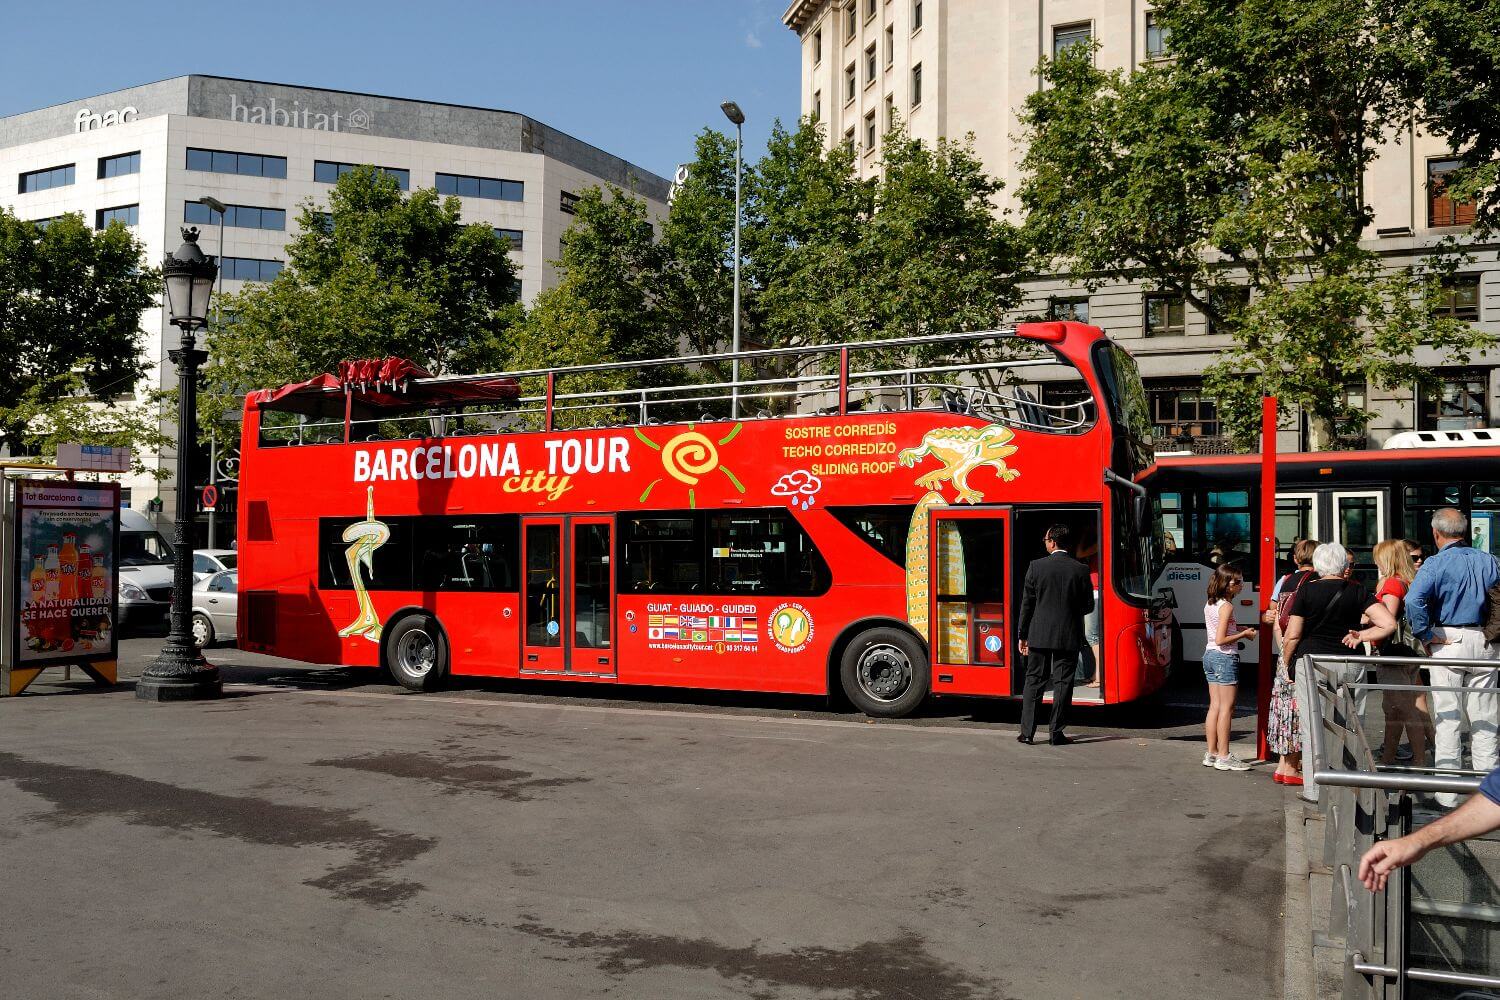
381 387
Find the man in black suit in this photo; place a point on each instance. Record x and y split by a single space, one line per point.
1055 599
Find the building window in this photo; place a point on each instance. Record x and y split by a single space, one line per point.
849 138
1065 36
890 45
1166 315
872 68
916 15
1230 302
817 105
851 83
328 172
850 22
1182 411
870 132
568 202
1156 37
125 215
817 46
218 161
871 8
516 237
119 166
249 268
1074 308
1443 210
493 188
41 180
237 216
44 223
890 112
1458 403
1461 297
916 85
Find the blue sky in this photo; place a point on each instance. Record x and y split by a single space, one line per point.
638 78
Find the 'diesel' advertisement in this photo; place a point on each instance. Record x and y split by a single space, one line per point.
67 543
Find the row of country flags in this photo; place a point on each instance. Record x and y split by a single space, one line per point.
704 628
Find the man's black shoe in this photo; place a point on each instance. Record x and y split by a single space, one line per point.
1060 740
1023 738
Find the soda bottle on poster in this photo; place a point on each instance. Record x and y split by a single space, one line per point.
67 564
38 582
51 585
101 579
85 573
32 618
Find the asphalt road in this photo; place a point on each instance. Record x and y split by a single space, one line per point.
316 834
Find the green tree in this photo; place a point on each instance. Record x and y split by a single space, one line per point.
1240 163
71 301
380 274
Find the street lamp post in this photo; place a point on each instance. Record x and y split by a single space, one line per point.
215 205
179 672
733 113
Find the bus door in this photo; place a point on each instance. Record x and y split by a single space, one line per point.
1358 524
568 606
969 614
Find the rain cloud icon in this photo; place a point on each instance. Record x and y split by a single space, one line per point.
800 487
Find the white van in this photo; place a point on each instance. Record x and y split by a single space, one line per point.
145 571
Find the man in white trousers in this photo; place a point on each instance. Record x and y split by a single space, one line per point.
1447 610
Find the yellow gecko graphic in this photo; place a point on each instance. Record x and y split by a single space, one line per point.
962 450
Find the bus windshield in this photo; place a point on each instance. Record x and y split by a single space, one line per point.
1125 396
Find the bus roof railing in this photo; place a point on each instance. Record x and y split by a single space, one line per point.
1019 408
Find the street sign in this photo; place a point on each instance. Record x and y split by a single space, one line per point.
210 496
93 458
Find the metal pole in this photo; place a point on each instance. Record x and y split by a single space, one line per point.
180 672
213 462
734 393
1267 666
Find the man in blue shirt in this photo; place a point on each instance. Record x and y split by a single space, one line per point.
1479 815
1446 607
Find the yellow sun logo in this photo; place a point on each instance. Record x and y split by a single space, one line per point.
688 456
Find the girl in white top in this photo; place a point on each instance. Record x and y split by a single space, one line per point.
1221 664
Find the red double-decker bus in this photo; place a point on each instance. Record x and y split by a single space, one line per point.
852 518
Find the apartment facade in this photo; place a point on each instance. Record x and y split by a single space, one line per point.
949 68
145 156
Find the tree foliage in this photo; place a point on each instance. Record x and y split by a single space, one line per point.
71 301
827 256
380 274
1240 162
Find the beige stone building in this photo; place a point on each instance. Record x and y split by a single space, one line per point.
954 67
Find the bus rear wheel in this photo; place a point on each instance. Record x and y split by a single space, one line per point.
416 652
884 673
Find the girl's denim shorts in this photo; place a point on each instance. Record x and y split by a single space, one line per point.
1220 668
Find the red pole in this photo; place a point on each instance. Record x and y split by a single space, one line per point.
1266 670
843 381
549 400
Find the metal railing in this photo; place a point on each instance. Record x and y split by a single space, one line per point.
783 382
1436 926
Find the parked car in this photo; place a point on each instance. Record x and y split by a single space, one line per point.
145 571
207 562
216 608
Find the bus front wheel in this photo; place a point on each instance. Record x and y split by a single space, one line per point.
884 673
416 652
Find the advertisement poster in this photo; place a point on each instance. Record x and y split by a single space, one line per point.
66 543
